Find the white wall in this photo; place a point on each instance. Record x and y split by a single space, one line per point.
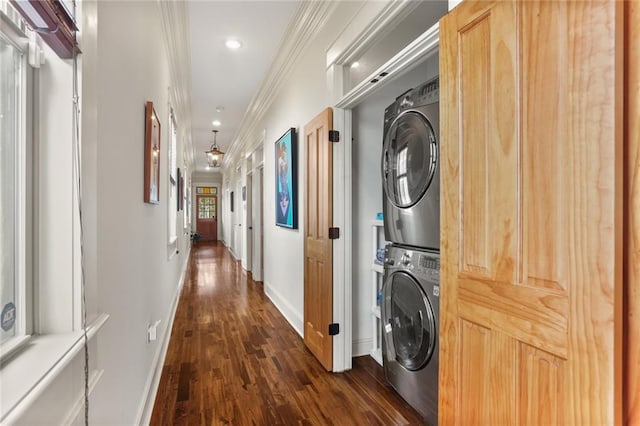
368 121
137 281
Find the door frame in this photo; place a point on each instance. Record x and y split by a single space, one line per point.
342 247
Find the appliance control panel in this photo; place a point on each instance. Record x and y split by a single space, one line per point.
428 92
421 263
425 94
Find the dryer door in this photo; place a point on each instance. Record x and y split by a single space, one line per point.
409 322
409 158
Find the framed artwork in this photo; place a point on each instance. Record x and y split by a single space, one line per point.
182 195
231 201
179 190
151 155
286 180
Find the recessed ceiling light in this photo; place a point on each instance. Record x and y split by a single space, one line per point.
233 44
216 123
355 65
219 108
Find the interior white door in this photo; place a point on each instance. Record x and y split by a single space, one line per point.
256 211
238 214
246 195
261 217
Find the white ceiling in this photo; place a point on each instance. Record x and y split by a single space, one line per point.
221 77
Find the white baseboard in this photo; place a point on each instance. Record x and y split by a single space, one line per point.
293 316
145 410
362 347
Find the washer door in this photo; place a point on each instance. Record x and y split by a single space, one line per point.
409 322
409 158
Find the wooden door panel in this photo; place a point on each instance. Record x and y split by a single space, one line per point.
545 81
530 315
318 249
541 384
534 382
528 195
475 50
486 352
487 159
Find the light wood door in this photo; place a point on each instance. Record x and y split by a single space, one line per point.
530 226
318 248
207 217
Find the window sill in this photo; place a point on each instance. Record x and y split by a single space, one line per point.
12 347
26 375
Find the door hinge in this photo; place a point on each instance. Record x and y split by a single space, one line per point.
334 233
334 136
334 329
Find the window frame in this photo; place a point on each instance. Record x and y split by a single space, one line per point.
23 172
172 177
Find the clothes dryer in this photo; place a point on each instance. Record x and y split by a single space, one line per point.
410 168
410 318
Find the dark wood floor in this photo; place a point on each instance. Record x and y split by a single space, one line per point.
234 359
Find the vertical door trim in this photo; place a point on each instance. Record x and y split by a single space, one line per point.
630 368
342 247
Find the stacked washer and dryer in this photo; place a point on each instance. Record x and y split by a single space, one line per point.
411 288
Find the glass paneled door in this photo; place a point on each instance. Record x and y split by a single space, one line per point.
207 217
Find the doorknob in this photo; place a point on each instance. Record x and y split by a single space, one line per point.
251 227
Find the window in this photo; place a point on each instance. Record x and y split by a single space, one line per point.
173 181
13 190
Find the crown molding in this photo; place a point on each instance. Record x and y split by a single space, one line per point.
306 22
370 25
175 28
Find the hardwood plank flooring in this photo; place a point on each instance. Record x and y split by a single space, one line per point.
233 359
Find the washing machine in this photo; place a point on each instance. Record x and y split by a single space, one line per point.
410 311
410 168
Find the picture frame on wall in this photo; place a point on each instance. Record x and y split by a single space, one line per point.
151 155
286 169
179 191
231 201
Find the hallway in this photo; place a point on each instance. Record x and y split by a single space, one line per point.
234 359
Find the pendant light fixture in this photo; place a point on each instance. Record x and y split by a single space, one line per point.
214 155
